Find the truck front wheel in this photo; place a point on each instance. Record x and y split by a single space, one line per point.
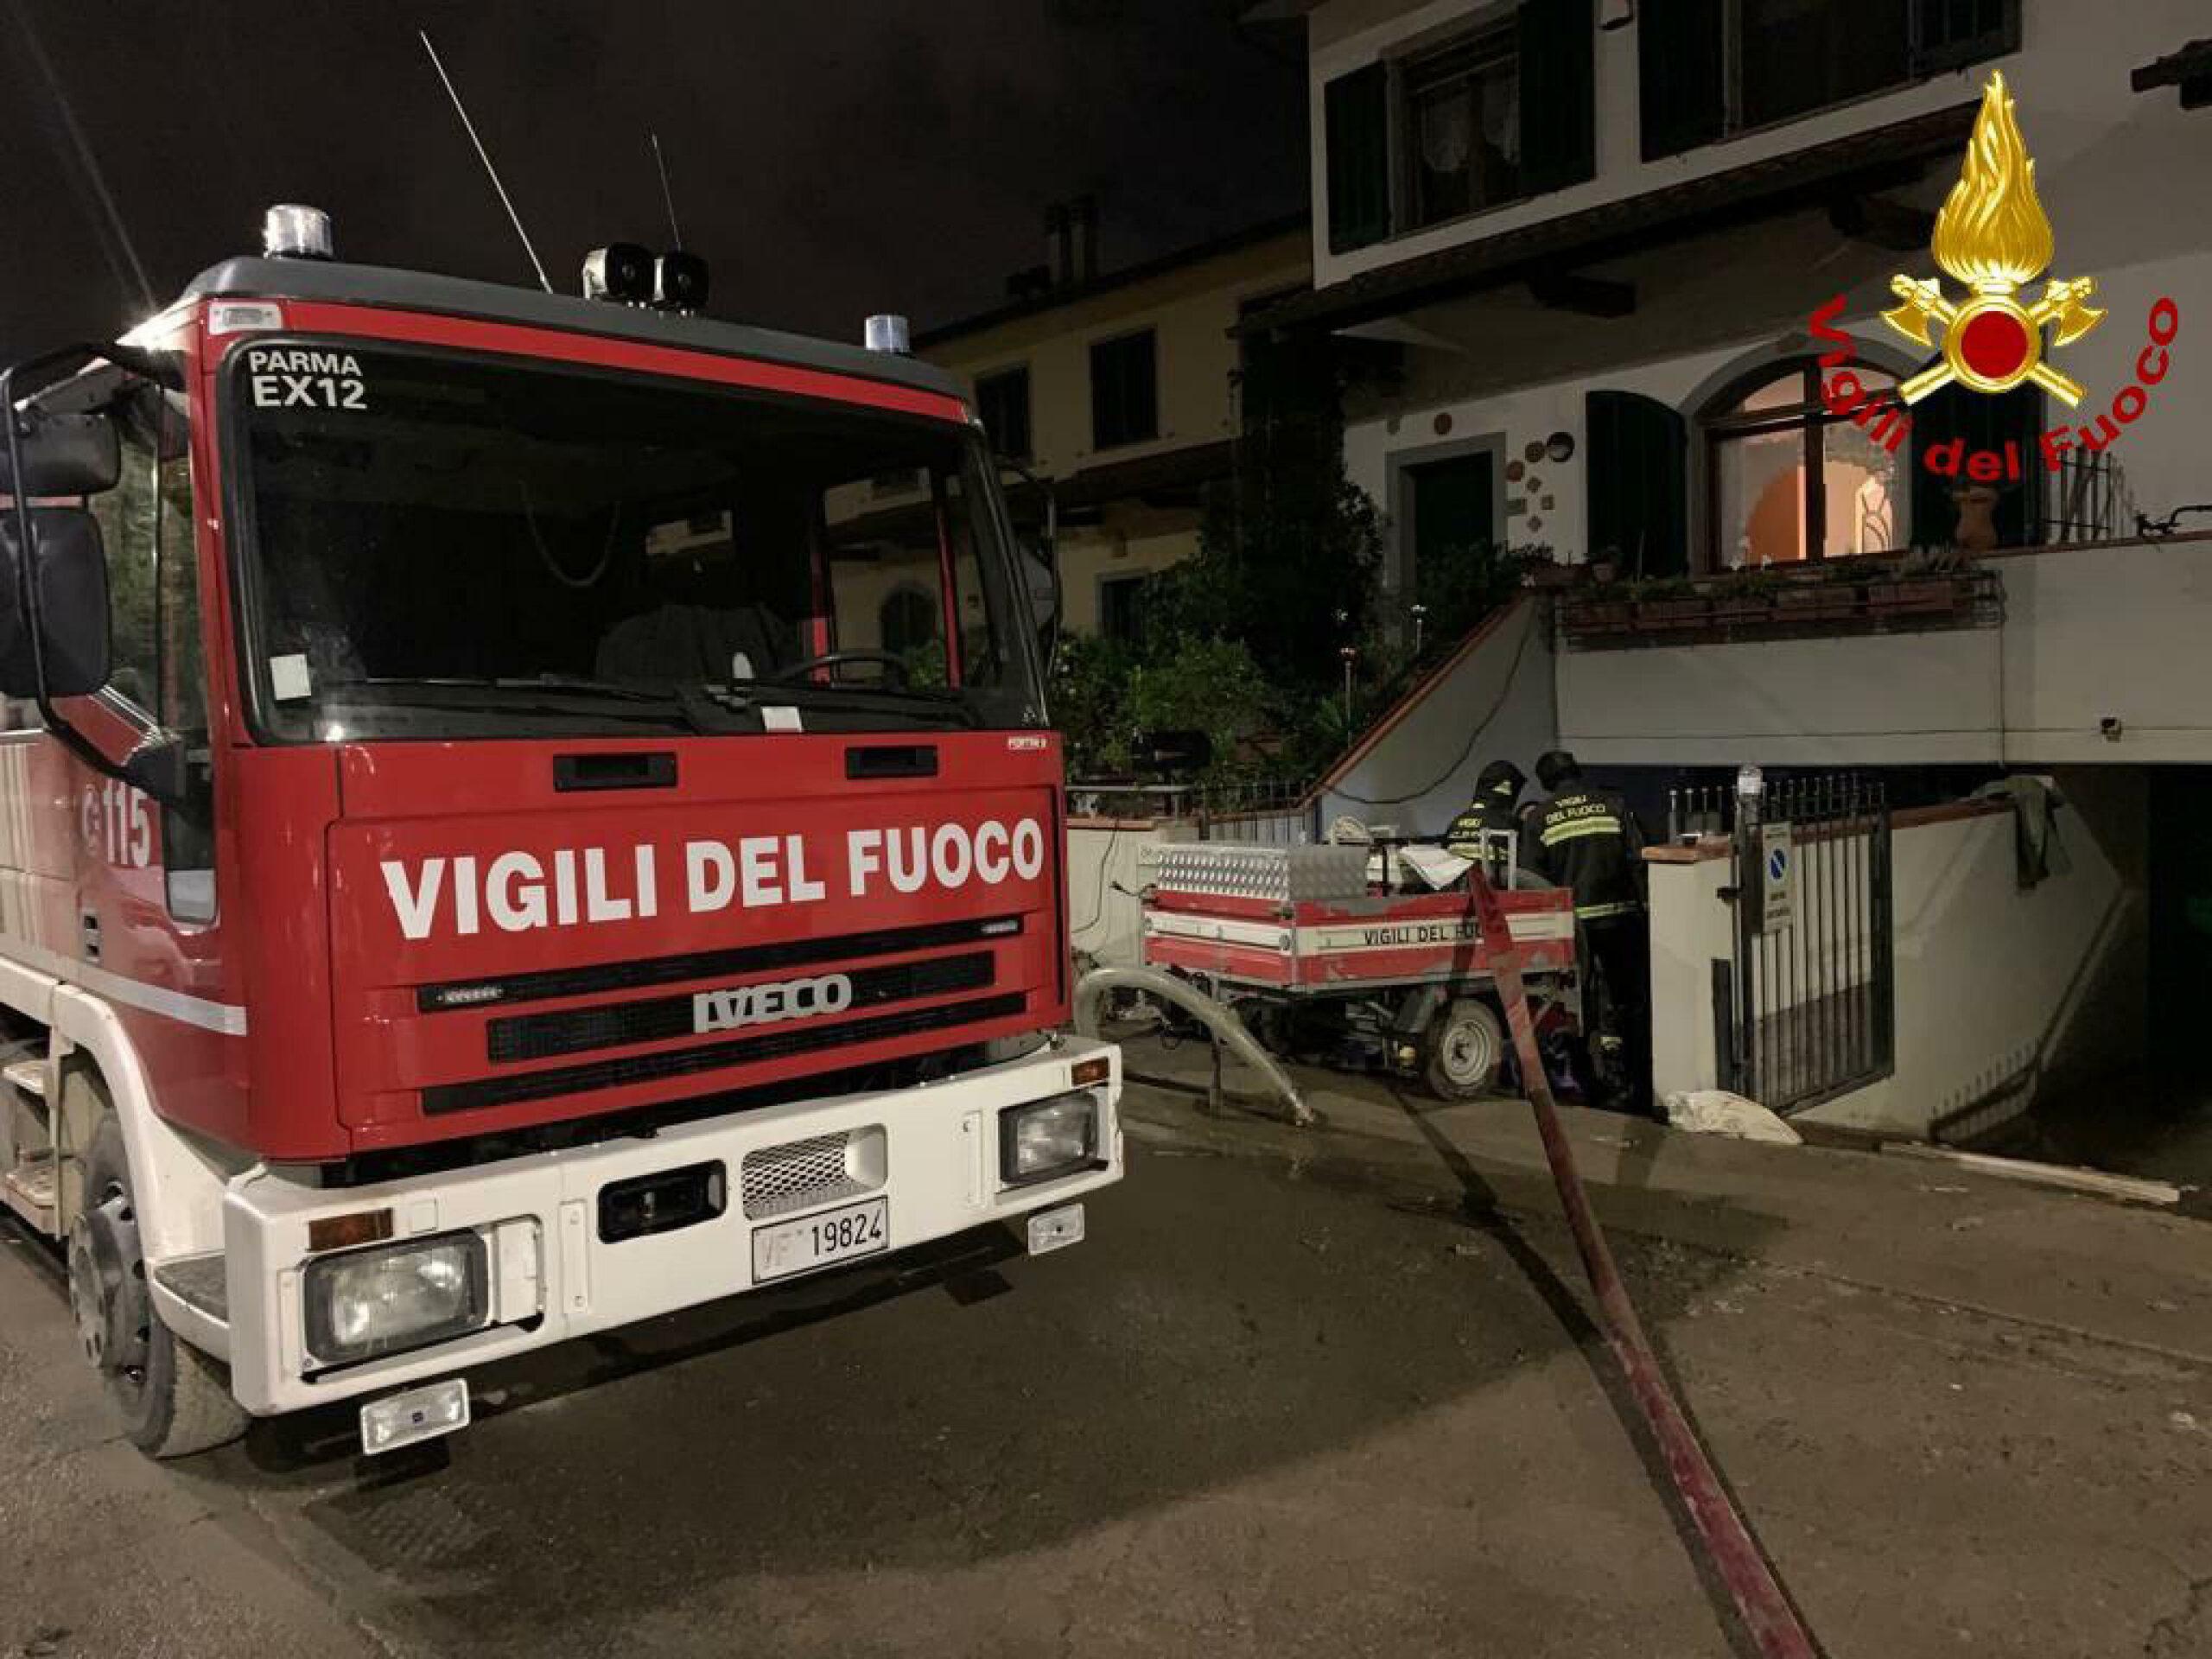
173 1399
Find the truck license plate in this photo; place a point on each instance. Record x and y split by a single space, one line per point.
789 1247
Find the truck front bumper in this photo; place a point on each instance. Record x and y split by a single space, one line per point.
931 1154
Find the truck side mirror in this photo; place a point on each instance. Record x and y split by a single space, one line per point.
64 454
70 572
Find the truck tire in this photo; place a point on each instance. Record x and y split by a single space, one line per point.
1466 1047
174 1399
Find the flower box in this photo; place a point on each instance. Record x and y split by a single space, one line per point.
1735 608
1673 613
1599 616
1917 594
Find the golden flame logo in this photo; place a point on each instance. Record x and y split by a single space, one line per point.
1994 237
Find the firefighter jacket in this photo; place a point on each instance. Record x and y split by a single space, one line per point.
1484 812
1587 838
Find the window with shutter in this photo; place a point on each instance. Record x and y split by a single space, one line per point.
1558 95
1635 455
1462 129
1356 111
1708 68
1949 33
1002 401
1124 392
1680 64
1496 114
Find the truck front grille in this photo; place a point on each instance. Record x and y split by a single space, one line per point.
570 1031
460 995
821 1169
776 1042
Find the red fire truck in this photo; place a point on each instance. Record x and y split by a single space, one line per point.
519 814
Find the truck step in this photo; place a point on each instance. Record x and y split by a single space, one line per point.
198 1279
28 1190
27 1076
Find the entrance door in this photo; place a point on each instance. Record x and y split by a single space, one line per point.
1451 508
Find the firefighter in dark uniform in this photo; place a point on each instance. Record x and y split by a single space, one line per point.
1497 792
1587 838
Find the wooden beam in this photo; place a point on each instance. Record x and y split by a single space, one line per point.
1591 296
1884 224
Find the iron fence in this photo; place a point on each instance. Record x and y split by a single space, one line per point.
1811 1001
1267 813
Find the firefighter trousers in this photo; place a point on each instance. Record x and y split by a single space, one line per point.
1618 948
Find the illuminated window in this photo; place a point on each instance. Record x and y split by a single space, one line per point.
1791 481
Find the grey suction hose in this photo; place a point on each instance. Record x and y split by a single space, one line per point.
1091 993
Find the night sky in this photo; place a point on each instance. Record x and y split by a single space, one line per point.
829 159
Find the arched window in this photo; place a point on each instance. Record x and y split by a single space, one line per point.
1789 480
908 620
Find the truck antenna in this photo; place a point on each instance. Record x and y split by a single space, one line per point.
483 155
667 196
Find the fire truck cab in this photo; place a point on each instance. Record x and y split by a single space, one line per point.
518 814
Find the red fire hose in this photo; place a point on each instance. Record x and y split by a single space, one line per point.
1768 1618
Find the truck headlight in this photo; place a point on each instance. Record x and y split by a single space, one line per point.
1047 1137
367 1303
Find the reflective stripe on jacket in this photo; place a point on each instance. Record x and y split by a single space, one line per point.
1465 836
1587 838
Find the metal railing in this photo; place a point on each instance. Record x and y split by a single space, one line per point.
1811 1001
1267 813
2089 499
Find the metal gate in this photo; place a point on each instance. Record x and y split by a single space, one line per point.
1812 1002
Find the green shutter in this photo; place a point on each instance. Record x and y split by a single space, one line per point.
1953 33
1357 110
1985 423
1635 479
1559 94
1678 47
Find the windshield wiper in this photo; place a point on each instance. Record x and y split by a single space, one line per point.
663 705
572 683
751 693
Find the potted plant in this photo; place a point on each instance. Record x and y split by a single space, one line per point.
1743 596
1670 603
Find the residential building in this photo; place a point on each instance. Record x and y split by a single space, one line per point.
1118 390
1598 233
1611 242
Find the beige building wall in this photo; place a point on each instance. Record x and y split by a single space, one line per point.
1191 307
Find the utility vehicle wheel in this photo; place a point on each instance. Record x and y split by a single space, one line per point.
173 1399
1466 1046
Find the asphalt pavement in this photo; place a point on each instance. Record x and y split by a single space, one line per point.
1328 1392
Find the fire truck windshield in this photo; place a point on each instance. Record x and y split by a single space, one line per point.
439 545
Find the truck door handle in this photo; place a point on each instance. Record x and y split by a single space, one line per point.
616 769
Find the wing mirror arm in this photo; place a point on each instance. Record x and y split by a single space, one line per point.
1046 604
159 767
